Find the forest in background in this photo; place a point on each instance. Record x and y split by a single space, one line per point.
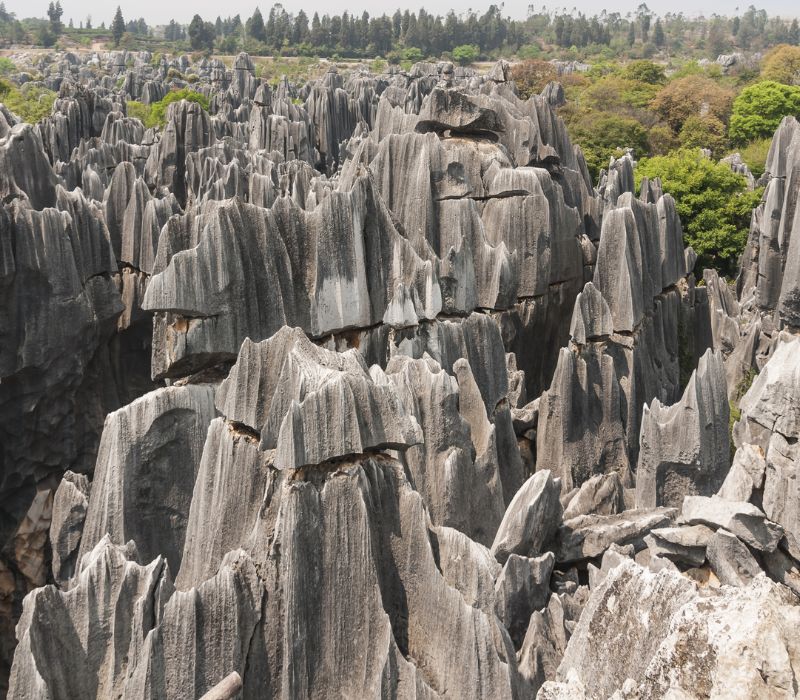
413 36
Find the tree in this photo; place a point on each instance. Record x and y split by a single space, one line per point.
704 132
255 26
713 203
532 75
54 13
88 24
604 134
658 34
690 96
646 72
466 54
201 34
759 108
782 65
118 26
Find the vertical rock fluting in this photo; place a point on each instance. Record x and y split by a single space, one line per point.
429 395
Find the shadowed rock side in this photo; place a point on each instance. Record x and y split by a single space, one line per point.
684 449
359 388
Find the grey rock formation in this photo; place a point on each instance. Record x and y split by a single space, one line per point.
669 619
684 448
146 466
600 495
730 559
530 520
318 406
588 536
372 355
742 519
521 589
70 505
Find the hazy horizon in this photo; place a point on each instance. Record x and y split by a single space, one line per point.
156 13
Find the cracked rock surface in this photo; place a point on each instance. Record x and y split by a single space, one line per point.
360 388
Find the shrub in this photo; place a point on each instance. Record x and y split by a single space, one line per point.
466 54
754 154
31 103
758 110
782 65
605 134
646 72
693 95
713 202
531 76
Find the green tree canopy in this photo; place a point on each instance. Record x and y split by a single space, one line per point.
713 203
605 134
466 54
759 108
118 26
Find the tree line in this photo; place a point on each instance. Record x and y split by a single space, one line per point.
412 35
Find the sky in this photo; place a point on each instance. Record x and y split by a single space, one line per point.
159 12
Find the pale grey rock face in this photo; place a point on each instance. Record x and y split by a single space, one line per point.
322 405
591 319
737 632
730 560
146 466
59 307
25 170
684 448
746 474
456 465
625 339
530 520
544 645
394 318
70 505
632 599
669 619
600 495
521 589
588 536
744 520
150 641
766 435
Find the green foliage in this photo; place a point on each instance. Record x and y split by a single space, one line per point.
118 26
759 108
754 154
692 95
713 203
7 66
704 132
646 72
529 51
782 65
602 135
466 54
735 412
155 115
614 93
30 102
140 111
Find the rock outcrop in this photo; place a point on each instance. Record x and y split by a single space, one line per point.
360 388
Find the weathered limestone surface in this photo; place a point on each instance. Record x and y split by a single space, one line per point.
732 633
684 448
146 466
350 388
